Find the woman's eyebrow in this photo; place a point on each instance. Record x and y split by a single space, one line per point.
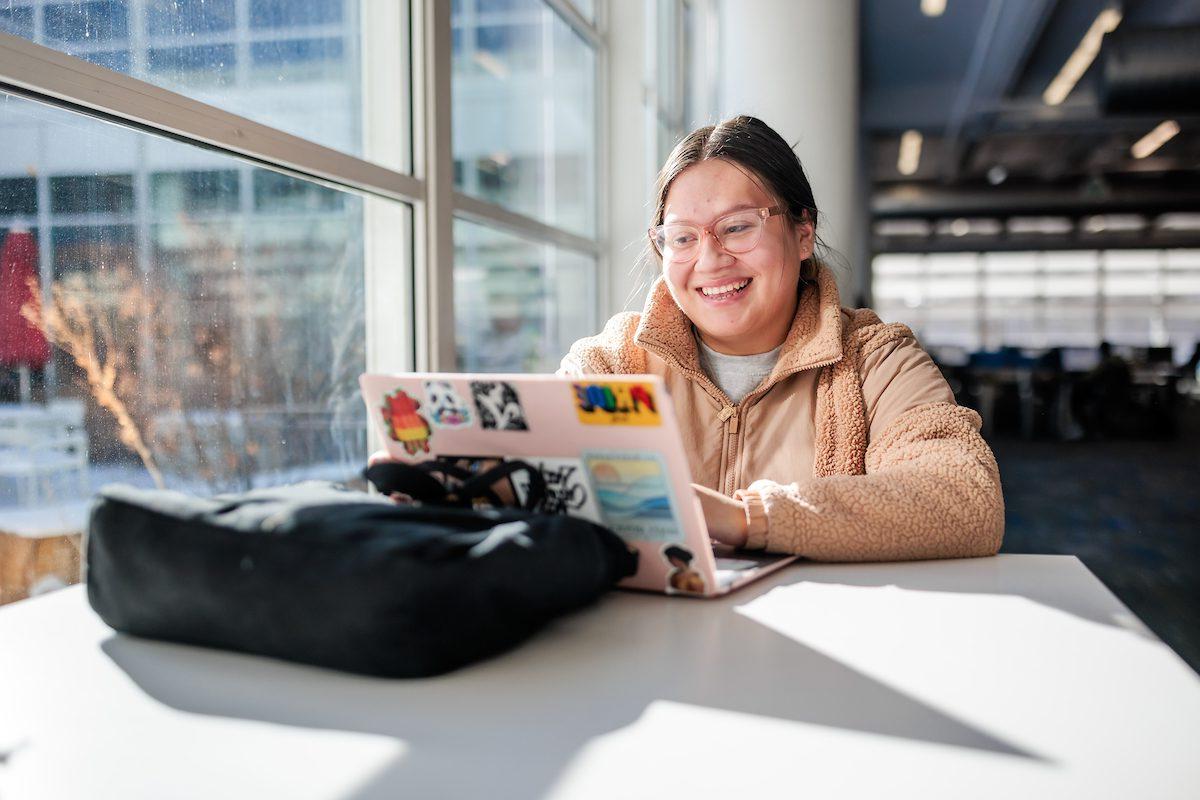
730 210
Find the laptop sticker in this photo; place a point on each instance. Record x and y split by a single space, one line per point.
498 405
403 424
446 409
634 495
682 579
616 403
567 488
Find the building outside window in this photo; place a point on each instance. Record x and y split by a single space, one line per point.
525 138
227 300
210 313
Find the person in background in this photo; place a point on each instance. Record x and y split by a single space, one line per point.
1191 368
1105 396
810 428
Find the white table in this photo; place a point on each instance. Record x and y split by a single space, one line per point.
1008 677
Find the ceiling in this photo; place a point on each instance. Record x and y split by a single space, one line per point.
971 81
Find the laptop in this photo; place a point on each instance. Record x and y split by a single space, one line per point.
607 446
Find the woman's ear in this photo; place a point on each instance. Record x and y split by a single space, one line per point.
802 232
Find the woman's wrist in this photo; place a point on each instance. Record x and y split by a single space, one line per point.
755 518
737 526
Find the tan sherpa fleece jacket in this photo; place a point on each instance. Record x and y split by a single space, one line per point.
852 449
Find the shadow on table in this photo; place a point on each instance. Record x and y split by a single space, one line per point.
1037 578
511 725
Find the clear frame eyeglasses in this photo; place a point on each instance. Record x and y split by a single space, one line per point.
739 232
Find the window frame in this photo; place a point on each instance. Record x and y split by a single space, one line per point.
423 335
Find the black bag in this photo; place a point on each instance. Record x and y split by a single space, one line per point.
321 575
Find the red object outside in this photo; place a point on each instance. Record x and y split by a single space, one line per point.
21 344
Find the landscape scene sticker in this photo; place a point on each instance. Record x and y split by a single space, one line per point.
445 408
498 406
634 495
403 424
615 403
567 489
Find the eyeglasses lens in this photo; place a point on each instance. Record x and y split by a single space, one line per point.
737 233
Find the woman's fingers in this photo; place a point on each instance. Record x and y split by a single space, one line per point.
378 457
724 517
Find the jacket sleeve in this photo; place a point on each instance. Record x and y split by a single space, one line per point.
609 352
931 488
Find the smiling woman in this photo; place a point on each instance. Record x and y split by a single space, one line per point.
737 286
810 428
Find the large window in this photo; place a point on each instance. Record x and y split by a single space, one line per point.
520 303
681 70
524 142
292 64
226 302
1147 298
220 208
203 309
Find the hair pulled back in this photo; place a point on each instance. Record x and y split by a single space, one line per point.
755 146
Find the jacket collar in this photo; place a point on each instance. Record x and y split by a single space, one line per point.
814 338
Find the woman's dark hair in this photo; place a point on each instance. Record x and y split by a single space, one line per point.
755 146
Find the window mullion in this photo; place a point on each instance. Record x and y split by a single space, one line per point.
577 22
47 75
435 224
601 188
495 216
386 35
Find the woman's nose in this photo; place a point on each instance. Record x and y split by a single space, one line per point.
711 254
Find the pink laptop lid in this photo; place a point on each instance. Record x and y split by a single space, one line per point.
608 447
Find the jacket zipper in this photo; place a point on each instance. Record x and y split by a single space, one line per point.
728 416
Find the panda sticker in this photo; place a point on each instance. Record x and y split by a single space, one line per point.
445 407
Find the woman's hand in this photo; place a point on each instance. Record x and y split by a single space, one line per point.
378 457
382 457
724 516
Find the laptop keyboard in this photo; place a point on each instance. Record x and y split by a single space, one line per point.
736 564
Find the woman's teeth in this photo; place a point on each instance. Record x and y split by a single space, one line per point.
726 289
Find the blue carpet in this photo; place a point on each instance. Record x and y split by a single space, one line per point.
1130 510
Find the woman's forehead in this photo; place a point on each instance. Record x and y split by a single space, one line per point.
710 188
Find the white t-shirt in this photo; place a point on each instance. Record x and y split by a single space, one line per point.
736 375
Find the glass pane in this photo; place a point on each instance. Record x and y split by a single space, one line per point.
1072 323
291 64
227 301
17 20
954 324
1009 263
586 9
896 264
524 88
906 289
518 305
18 196
1014 323
945 287
952 263
1132 323
1070 298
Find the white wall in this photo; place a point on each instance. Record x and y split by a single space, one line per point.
794 64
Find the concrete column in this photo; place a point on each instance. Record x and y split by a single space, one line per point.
794 64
